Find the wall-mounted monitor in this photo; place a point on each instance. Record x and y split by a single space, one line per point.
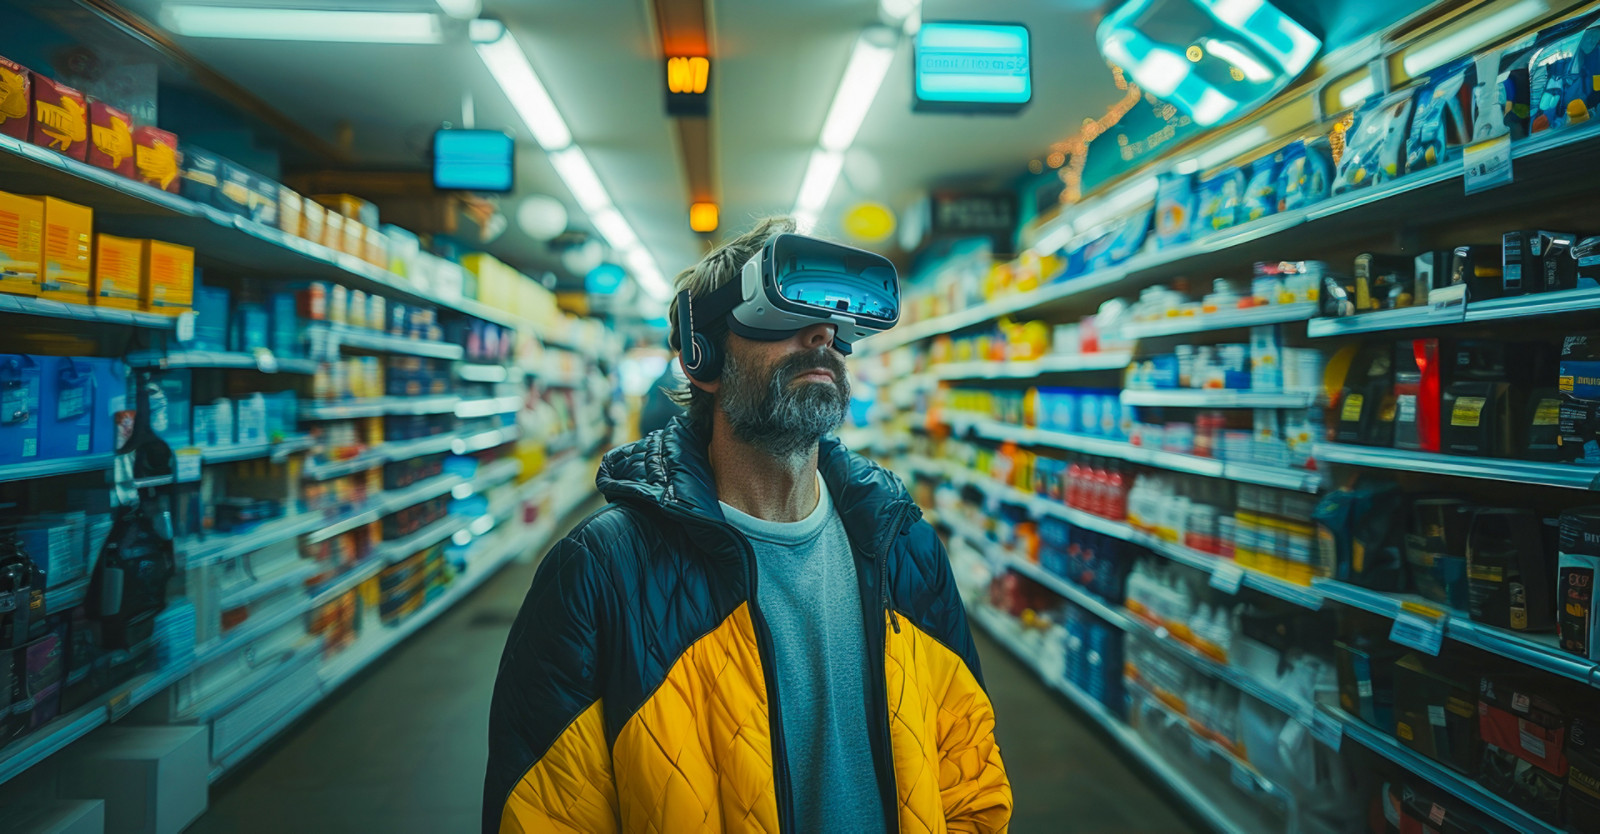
474 160
972 67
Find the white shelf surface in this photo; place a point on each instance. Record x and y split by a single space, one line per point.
1218 398
390 452
220 359
385 503
1111 360
277 451
1532 306
55 466
197 551
1563 475
24 306
377 406
1221 320
374 340
488 407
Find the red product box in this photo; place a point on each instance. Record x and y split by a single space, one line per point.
155 154
1426 353
1531 727
16 92
110 138
60 118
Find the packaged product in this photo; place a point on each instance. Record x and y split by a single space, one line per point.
21 243
1417 385
1510 559
1538 261
1524 744
1174 212
202 175
290 209
1374 149
1307 174
1583 772
110 139
20 393
350 207
1443 120
1365 667
263 200
67 394
233 193
1561 73
1579 385
1261 188
1538 428
68 244
169 278
118 272
1366 408
1383 282
1431 270
1436 714
1218 202
1478 266
1359 535
155 158
1436 550
1578 568
60 118
1491 111
16 96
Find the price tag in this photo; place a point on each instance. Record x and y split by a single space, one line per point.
36 600
1449 302
119 705
1487 164
1227 578
1327 729
185 328
188 465
265 361
1425 634
1436 814
1243 779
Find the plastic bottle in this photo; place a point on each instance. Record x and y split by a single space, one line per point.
1117 484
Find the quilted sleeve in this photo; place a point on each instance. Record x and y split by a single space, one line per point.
549 765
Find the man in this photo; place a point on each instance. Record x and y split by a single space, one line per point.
757 633
659 405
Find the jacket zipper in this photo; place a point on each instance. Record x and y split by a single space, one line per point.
891 802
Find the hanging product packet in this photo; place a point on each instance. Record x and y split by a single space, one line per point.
1374 150
1443 119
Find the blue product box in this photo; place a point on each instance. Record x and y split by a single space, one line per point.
1110 415
249 327
67 406
1163 371
1077 646
173 420
1088 413
284 321
202 174
234 189
112 405
282 411
20 392
1174 213
263 200
211 308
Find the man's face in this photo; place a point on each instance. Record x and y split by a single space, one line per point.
783 397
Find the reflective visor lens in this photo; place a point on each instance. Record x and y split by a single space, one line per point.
837 279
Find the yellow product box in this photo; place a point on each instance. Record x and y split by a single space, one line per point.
119 276
291 207
355 238
169 278
333 231
68 244
21 242
350 207
376 251
313 219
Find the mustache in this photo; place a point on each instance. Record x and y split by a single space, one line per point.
821 359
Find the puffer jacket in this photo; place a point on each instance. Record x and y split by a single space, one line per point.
637 691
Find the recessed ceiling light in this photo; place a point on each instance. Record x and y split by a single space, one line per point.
301 25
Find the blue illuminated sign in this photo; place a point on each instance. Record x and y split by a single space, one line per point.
473 160
973 67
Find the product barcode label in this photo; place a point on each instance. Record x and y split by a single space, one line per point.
1487 164
1436 814
1531 744
1436 715
1425 634
188 468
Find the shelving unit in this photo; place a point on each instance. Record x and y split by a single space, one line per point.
223 359
58 466
1536 307
1564 476
1221 320
1218 398
1111 360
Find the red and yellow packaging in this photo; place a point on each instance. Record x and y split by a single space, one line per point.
119 277
16 94
60 119
168 278
68 243
155 155
110 138
21 242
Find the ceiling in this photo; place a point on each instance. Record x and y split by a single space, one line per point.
776 66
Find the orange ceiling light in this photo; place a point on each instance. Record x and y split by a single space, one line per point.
703 217
688 76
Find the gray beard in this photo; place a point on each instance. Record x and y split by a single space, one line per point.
777 418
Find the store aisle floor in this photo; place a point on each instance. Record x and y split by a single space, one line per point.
1065 777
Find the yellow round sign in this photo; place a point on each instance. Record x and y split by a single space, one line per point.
869 222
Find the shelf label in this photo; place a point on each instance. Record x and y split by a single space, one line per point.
185 327
187 470
1449 302
1327 729
119 705
1436 814
1425 634
265 361
1487 164
1227 579
1243 779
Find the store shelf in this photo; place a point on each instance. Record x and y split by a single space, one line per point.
1111 360
349 580
1221 320
57 466
295 573
222 359
19 305
391 452
362 338
385 503
474 372
276 451
488 407
264 672
1562 475
1219 398
126 207
481 441
1243 776
195 552
494 474
378 406
260 624
1453 783
65 597
1004 632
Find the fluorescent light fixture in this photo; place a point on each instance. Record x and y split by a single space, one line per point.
1235 13
1357 92
581 180
511 70
648 275
1250 67
461 491
822 171
461 9
609 222
262 24
1463 41
863 75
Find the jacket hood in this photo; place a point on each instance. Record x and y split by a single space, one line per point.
670 469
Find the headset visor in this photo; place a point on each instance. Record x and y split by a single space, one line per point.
833 279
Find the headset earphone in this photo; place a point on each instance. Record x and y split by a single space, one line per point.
702 360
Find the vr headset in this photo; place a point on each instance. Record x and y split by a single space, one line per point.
793 283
